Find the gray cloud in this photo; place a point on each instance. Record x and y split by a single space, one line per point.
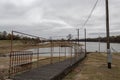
57 17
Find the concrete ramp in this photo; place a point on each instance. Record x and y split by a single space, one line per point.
51 71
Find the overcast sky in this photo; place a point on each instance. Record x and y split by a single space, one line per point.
58 17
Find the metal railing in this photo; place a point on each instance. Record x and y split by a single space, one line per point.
21 61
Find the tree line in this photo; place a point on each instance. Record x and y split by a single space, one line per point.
4 35
113 39
24 39
7 36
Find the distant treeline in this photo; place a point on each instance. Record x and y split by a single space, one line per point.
113 39
4 35
7 36
24 39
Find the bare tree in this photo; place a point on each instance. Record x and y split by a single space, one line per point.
69 37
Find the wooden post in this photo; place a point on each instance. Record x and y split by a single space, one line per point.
11 41
108 39
99 43
77 43
85 42
38 55
71 53
65 52
51 61
11 54
59 51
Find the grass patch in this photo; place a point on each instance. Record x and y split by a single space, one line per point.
94 67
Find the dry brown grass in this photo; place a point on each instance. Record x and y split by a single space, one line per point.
94 67
5 45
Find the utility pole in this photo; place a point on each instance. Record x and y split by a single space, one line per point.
38 52
78 41
99 42
85 40
109 55
78 35
51 61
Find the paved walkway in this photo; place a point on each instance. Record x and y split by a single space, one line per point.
47 72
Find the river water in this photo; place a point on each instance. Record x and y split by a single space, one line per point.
94 46
91 47
55 51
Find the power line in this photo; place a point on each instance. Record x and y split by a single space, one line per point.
90 13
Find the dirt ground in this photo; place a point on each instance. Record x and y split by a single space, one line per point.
94 67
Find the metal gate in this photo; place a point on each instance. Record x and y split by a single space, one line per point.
20 61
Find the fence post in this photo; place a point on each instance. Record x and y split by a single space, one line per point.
59 51
51 61
85 41
38 57
65 52
71 53
10 54
75 51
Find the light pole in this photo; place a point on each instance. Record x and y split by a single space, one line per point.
109 55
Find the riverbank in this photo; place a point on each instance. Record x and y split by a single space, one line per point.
5 46
94 67
18 45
